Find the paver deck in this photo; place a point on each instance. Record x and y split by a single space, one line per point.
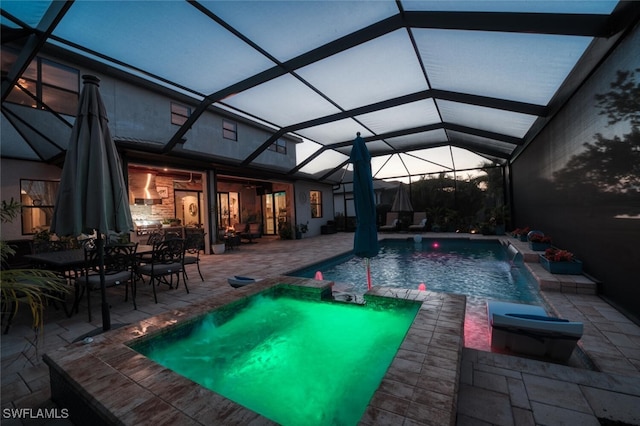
493 388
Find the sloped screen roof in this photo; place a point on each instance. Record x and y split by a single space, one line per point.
430 85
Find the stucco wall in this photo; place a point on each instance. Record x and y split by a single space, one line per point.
11 173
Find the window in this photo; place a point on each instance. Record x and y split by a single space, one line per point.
38 198
278 146
179 113
315 201
54 84
229 130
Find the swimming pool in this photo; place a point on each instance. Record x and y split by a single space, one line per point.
294 361
477 268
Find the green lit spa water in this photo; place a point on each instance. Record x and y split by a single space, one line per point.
296 362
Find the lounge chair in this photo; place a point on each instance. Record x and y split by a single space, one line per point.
392 224
419 222
527 329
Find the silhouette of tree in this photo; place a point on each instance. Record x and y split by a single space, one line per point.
622 102
610 165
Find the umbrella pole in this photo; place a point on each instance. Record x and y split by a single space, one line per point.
106 317
368 266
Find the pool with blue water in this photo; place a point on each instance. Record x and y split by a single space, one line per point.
477 268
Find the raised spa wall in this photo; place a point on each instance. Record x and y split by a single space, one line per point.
106 382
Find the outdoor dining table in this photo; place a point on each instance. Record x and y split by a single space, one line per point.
66 262
62 261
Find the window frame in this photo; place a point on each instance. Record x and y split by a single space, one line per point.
45 208
315 203
229 130
177 117
46 87
279 146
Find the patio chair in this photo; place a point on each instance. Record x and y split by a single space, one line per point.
392 223
167 260
254 230
419 222
119 268
193 243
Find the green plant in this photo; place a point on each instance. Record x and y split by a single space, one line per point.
285 231
30 287
303 227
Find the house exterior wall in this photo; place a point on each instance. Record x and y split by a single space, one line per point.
11 173
578 181
141 113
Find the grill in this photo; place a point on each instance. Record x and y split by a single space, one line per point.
146 227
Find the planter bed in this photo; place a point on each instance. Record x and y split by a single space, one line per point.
573 267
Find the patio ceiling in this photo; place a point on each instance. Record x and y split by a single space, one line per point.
431 85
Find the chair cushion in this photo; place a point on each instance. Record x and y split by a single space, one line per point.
110 279
160 268
189 260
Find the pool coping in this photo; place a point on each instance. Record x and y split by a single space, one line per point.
107 382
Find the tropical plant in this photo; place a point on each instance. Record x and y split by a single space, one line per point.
285 231
30 287
302 228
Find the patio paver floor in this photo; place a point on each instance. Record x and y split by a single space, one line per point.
494 388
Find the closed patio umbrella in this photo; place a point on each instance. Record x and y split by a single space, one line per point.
401 202
92 194
365 243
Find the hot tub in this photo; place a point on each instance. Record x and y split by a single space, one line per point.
108 382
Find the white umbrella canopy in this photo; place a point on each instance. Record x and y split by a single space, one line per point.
92 194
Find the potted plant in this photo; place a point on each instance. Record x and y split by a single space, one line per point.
285 230
219 246
31 287
539 242
559 261
521 233
301 229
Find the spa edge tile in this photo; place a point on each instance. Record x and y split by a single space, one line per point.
443 352
430 415
437 380
406 365
435 399
390 403
144 371
414 345
163 381
404 376
376 416
410 355
156 412
397 389
199 402
122 400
